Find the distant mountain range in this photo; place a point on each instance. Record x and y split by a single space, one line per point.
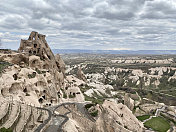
140 52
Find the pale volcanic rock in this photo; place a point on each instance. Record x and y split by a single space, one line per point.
95 77
128 102
116 117
35 73
137 72
34 61
75 91
89 92
81 75
133 61
60 63
15 58
71 126
75 81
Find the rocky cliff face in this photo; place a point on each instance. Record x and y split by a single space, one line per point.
36 75
112 117
117 117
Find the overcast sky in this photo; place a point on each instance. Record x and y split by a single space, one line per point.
91 24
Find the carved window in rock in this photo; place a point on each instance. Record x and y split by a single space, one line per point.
42 57
38 50
49 81
35 45
34 62
46 66
2 92
15 76
36 91
25 90
34 52
30 52
40 100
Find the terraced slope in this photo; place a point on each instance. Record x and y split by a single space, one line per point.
21 117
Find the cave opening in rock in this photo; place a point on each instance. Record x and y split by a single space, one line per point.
35 45
25 90
34 52
15 77
40 100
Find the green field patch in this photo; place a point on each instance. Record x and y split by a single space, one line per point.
158 124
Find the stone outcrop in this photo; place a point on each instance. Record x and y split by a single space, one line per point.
14 58
37 45
81 75
115 118
129 102
60 63
36 74
20 117
111 117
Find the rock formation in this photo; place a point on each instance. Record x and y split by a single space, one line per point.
115 118
37 45
81 75
36 75
129 102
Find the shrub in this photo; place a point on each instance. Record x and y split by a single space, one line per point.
6 130
94 100
38 71
142 118
94 114
32 75
3 65
71 96
27 94
64 94
87 106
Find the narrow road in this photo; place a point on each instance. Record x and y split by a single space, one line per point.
57 121
39 128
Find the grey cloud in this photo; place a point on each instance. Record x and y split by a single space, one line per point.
91 24
118 9
159 9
